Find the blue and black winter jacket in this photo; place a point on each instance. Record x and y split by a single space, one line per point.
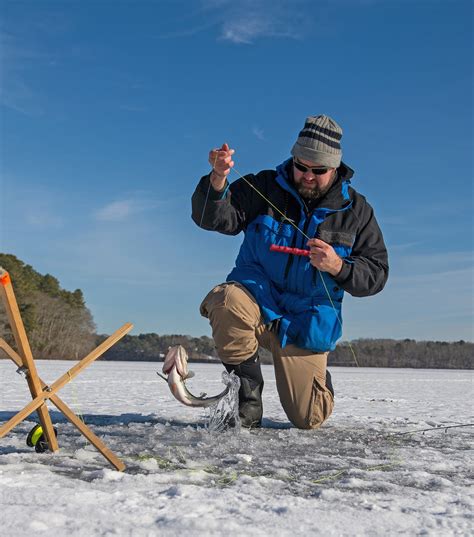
292 294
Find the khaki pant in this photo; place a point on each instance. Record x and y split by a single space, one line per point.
238 330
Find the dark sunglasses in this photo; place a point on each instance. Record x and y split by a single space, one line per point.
304 169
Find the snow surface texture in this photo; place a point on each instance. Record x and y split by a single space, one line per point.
354 476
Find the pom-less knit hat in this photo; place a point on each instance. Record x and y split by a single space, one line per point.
319 142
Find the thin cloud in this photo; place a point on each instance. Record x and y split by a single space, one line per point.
25 45
258 133
121 210
38 209
248 27
244 22
115 211
188 32
45 220
15 93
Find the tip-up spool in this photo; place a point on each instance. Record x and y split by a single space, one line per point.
37 439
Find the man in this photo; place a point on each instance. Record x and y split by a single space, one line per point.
286 303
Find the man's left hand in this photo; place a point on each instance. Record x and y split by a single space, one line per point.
323 257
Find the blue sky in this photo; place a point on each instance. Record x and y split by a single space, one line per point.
109 109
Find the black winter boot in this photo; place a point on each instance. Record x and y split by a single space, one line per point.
250 392
329 382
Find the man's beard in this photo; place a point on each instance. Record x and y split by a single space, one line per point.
316 191
312 193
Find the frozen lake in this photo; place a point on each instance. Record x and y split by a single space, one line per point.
357 475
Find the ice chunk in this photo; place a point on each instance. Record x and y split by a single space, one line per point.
224 414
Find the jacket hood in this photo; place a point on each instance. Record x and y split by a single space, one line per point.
345 172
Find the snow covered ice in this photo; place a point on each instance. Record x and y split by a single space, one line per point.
354 476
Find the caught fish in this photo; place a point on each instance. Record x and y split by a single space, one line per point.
176 369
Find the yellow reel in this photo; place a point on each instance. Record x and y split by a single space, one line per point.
37 439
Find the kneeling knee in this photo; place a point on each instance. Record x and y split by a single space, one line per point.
318 412
307 422
304 423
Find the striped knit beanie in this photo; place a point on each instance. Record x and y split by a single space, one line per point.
318 142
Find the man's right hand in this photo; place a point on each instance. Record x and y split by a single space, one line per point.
221 162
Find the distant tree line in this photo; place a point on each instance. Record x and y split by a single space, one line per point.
404 353
152 347
364 352
59 326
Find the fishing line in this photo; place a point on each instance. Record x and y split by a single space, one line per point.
437 428
207 194
393 461
75 398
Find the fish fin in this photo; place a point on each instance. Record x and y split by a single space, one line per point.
162 376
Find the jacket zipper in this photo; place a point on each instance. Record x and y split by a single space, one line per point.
305 229
289 263
290 257
315 270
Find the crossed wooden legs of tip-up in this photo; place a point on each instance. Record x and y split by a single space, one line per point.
42 392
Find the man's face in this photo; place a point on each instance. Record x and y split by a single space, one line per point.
310 184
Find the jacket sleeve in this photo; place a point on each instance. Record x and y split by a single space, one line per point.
231 210
365 271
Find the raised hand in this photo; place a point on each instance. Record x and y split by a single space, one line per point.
222 163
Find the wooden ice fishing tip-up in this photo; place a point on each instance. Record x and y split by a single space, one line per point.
40 391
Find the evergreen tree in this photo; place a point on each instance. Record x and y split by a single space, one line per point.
57 321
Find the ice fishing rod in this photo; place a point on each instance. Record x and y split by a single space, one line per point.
437 428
